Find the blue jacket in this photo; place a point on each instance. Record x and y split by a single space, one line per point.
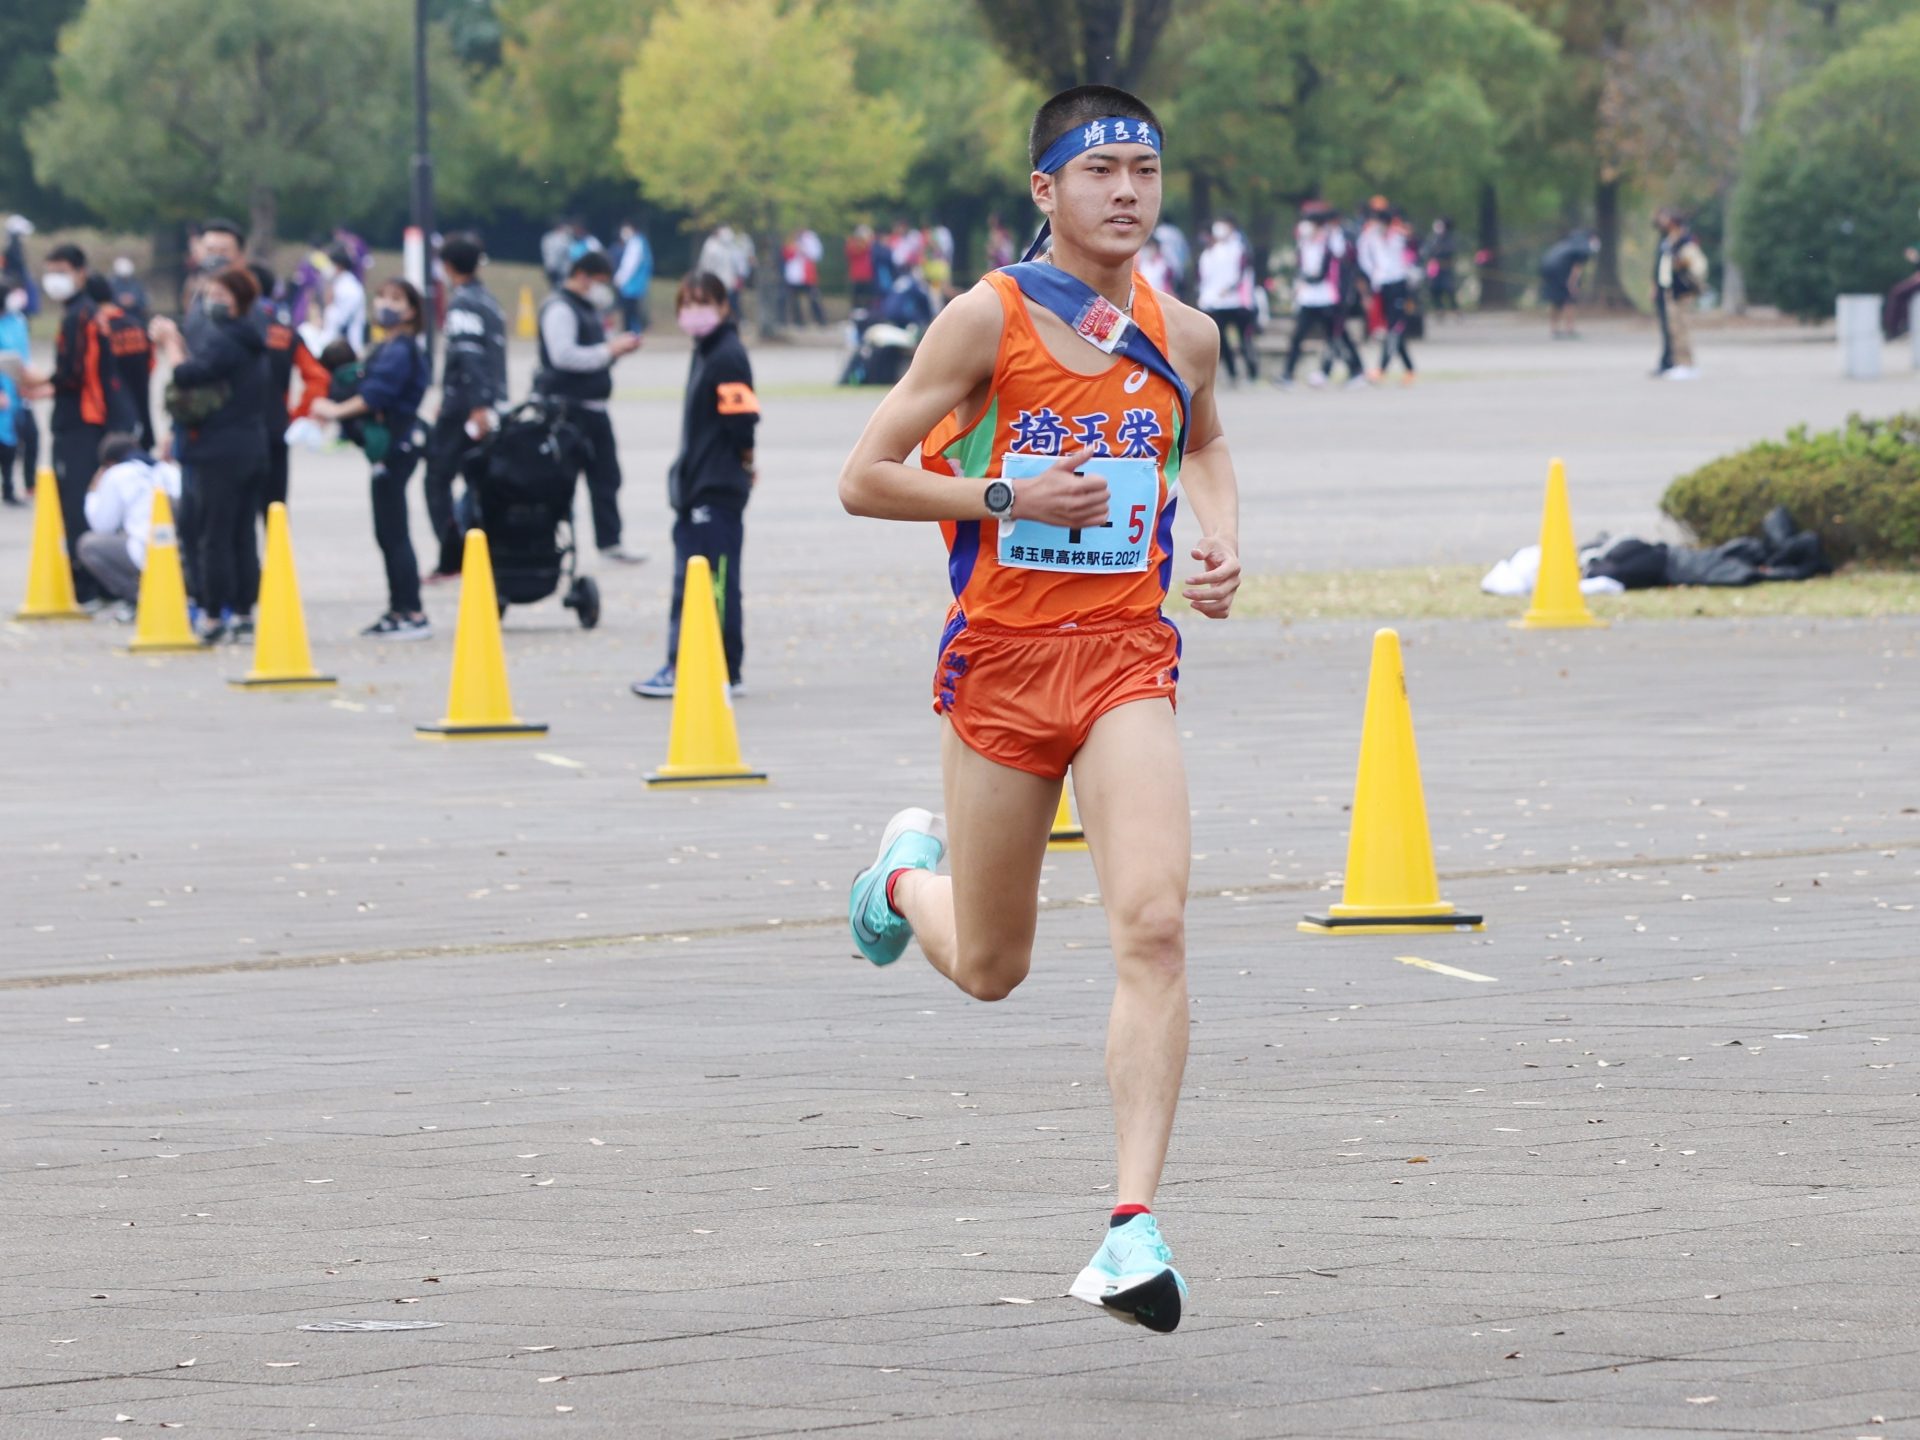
8 435
396 382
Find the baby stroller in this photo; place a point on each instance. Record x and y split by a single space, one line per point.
521 494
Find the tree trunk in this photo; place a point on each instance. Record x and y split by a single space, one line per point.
1202 192
767 280
1496 292
167 269
1733 278
263 224
1607 289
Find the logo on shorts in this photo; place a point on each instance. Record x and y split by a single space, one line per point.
1135 382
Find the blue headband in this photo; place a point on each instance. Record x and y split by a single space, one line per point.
1112 130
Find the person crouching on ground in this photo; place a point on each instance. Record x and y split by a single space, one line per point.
218 401
714 473
394 384
119 516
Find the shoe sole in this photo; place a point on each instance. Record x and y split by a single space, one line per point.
913 818
1151 1300
651 692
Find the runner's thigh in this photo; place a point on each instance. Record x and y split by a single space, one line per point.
998 820
1131 783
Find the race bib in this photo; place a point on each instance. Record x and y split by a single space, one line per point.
1122 545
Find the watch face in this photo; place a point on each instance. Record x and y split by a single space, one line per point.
999 497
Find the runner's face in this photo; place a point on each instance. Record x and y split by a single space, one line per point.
1105 202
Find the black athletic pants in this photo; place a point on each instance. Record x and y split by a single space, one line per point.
603 473
449 451
275 488
76 455
1393 308
1241 319
719 532
227 511
26 430
390 476
1326 319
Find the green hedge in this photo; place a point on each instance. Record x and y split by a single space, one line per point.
1858 487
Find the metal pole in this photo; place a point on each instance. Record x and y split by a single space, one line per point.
423 165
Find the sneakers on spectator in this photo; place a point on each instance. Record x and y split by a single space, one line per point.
400 627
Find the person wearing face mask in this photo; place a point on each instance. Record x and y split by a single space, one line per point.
130 352
576 375
345 317
1384 260
713 475
15 347
473 387
86 392
128 293
389 398
633 277
1226 294
218 400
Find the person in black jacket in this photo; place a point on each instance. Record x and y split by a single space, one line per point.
714 473
218 401
287 356
576 373
473 384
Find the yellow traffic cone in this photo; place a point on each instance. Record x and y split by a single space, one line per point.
523 323
1391 887
1067 834
1557 601
703 750
49 568
162 622
281 657
479 704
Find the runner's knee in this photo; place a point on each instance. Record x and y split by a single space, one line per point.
991 976
1151 935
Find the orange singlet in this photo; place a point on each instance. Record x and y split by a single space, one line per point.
1050 629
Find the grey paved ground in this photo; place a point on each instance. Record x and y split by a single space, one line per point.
303 1021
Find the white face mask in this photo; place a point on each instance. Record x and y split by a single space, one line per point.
16 301
601 296
59 285
1222 230
123 267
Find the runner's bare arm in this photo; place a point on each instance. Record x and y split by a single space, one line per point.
953 362
1206 474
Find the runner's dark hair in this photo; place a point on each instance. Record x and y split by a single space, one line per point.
1078 106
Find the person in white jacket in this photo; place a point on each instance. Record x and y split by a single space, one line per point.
1226 294
119 509
1390 261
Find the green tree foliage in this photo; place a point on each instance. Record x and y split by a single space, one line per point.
553 107
296 113
974 120
28 31
1827 201
747 111
1343 98
473 29
1063 43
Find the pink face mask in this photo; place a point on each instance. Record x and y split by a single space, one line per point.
700 321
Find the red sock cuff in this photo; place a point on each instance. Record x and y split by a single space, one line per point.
893 880
1122 1212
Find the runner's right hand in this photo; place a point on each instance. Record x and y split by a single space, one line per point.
1060 497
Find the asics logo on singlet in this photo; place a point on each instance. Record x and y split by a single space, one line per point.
1134 382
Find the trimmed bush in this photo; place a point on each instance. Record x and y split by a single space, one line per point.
1828 186
1857 487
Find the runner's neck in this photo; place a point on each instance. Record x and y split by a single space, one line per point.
1114 281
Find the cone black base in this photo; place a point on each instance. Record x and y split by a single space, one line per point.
716 781
477 732
285 682
60 615
185 647
1390 924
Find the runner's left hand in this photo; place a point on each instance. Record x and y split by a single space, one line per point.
1211 591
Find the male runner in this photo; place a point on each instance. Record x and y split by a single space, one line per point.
1053 433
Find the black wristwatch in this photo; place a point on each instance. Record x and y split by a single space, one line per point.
999 500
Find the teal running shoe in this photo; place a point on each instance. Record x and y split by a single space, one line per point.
911 842
1132 1277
